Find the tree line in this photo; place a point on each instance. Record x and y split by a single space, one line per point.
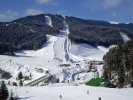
119 65
4 93
29 33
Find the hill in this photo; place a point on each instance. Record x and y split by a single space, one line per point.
29 33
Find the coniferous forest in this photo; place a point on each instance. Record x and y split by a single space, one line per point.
29 33
119 65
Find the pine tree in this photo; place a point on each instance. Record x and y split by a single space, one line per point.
131 66
20 83
125 66
105 74
3 91
121 76
119 61
20 76
131 78
11 96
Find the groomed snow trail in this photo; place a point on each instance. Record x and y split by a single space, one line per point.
62 45
125 37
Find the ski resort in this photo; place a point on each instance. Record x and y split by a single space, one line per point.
46 56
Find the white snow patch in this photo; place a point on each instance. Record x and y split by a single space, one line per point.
65 29
59 49
7 25
48 21
89 52
113 22
32 30
124 37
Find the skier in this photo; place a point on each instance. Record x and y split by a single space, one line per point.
60 96
99 98
88 92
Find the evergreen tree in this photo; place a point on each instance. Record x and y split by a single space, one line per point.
20 83
20 76
119 62
3 91
58 80
131 65
131 78
121 77
125 66
105 74
11 96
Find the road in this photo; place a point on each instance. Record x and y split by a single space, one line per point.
73 75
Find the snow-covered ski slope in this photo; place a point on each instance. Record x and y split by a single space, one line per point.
56 51
27 61
125 37
48 21
62 45
89 52
70 92
60 50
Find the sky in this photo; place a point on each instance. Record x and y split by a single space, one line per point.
108 10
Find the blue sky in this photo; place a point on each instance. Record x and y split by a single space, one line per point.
109 10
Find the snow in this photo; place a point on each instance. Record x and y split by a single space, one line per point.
62 45
56 52
48 21
7 25
29 61
125 37
65 29
83 77
89 52
103 49
32 30
113 22
70 92
59 49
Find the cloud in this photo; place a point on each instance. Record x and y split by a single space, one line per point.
48 2
95 5
44 1
33 12
62 12
8 15
111 3
114 14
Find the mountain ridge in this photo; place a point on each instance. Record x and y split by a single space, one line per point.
30 32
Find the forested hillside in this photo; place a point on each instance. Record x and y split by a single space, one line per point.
119 65
30 32
97 32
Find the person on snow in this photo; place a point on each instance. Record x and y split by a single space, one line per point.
60 96
88 92
99 98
